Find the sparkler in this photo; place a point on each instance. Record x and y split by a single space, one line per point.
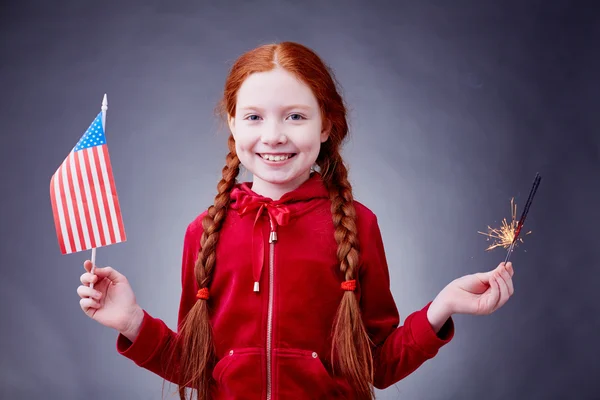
504 235
507 235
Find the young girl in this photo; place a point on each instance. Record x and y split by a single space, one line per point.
285 284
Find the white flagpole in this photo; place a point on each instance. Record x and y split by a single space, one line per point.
104 108
93 264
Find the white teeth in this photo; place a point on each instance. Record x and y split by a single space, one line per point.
272 157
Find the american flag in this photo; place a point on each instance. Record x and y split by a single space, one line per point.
83 195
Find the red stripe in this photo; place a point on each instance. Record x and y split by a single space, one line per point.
113 189
65 209
84 200
74 202
61 242
103 184
94 198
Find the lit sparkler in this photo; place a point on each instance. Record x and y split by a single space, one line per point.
504 236
507 234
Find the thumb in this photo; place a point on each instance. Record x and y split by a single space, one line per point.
110 273
484 277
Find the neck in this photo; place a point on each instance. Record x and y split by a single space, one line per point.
275 191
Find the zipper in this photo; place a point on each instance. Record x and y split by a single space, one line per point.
272 241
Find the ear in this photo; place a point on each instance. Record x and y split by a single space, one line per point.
231 123
326 130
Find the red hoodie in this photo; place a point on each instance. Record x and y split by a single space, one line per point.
276 343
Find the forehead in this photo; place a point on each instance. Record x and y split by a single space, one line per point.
274 88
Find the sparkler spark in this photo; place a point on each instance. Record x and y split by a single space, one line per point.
504 236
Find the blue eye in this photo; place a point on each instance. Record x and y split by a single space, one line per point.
250 117
297 115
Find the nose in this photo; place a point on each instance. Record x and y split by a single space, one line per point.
272 134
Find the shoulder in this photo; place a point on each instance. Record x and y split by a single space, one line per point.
369 236
194 229
364 215
367 224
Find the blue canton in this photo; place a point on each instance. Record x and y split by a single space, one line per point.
94 136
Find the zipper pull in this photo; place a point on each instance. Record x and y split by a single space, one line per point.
273 237
256 286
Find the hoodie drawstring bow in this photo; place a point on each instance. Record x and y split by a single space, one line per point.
278 215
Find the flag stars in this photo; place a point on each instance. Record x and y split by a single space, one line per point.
93 135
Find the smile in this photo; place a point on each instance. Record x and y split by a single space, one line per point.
276 157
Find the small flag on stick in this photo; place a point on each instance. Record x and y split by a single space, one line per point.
84 198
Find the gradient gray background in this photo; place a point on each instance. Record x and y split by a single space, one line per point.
454 106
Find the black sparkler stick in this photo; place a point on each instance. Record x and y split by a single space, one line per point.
536 184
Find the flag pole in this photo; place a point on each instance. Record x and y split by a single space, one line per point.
93 264
104 108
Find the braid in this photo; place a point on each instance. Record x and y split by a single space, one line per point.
215 217
198 348
351 343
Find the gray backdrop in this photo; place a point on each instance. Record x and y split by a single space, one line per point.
454 106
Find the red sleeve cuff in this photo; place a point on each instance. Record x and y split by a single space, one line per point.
147 342
425 337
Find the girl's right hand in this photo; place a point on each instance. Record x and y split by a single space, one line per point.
111 302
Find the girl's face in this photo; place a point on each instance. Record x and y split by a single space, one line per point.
278 131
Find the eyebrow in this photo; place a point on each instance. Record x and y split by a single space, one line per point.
290 107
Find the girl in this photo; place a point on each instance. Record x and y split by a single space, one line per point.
285 284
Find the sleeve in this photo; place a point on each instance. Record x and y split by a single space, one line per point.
157 348
397 350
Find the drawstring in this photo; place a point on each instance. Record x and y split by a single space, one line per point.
278 215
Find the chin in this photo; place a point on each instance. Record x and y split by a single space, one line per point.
281 177
276 179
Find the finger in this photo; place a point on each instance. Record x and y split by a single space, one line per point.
86 291
88 278
87 264
87 304
496 270
495 292
503 292
508 280
509 268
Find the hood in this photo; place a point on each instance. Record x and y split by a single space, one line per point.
296 200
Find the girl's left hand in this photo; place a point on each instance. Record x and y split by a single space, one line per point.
480 293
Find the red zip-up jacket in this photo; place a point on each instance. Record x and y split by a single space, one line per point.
275 343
